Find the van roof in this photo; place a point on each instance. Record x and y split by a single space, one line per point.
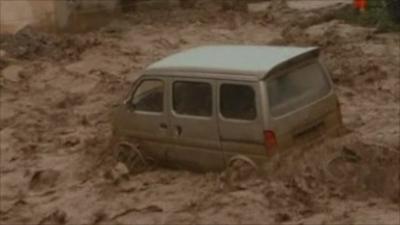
243 61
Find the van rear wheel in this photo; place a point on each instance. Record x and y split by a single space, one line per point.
240 169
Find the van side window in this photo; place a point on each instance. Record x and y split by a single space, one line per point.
237 102
192 98
149 96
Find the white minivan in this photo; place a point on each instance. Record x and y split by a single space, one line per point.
205 107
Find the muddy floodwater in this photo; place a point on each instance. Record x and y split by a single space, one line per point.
57 93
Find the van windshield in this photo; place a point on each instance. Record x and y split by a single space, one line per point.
297 88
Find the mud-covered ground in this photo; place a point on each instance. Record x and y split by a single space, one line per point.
57 93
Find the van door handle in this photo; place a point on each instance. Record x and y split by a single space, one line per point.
163 125
178 130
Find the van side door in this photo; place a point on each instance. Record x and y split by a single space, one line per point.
194 124
240 119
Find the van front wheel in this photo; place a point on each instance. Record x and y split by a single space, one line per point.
131 157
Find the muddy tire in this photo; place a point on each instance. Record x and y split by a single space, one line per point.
240 169
341 169
131 157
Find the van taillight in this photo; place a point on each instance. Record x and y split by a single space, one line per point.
270 139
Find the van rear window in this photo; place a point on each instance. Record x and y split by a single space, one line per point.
297 88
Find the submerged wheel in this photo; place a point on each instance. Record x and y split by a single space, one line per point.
131 157
239 169
342 169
